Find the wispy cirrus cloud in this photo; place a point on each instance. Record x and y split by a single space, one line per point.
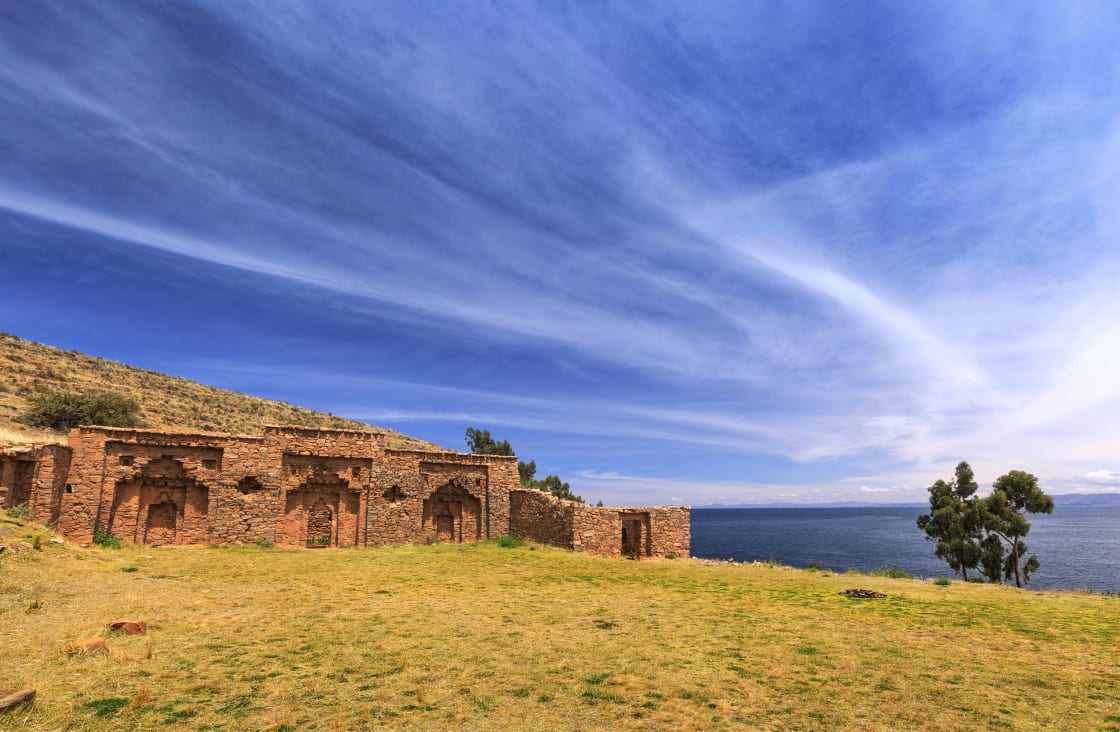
721 250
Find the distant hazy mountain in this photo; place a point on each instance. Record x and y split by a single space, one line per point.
1088 499
1065 499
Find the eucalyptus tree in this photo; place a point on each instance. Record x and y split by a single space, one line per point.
482 443
954 520
1005 524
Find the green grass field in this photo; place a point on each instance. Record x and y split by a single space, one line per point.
484 637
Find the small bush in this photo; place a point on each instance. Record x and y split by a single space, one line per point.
101 537
22 511
894 571
264 544
509 541
432 540
670 555
943 581
64 410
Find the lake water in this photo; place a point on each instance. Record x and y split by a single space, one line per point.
1077 546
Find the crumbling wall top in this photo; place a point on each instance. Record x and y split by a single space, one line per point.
449 456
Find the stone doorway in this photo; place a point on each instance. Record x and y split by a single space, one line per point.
635 535
319 521
161 524
445 527
453 515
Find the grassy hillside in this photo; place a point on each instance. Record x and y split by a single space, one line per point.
166 401
479 637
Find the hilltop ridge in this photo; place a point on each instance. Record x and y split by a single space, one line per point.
166 402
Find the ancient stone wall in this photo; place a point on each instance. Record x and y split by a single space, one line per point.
446 496
541 517
606 531
307 487
34 477
670 531
49 482
17 475
292 486
597 530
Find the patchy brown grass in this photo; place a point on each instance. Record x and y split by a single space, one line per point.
481 637
169 402
21 435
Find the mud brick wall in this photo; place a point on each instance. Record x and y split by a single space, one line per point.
541 517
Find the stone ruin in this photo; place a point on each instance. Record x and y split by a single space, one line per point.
312 488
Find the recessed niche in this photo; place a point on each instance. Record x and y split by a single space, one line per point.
249 485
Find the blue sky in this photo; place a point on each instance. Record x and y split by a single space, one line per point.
675 252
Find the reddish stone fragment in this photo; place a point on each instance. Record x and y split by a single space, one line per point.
129 627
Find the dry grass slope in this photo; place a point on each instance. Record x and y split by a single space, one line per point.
166 401
479 637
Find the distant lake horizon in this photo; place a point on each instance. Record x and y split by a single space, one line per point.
1077 546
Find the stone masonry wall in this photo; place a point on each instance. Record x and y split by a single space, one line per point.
540 517
292 486
598 530
670 531
411 484
17 475
49 481
307 487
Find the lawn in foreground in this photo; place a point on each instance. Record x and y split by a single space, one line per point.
483 637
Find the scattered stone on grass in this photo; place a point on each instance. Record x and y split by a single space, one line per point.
865 594
129 627
13 699
57 540
86 646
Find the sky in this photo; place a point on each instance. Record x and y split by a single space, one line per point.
696 252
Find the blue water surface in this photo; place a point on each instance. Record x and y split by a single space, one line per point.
1078 546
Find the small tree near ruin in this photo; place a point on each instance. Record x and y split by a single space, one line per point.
481 443
1002 514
